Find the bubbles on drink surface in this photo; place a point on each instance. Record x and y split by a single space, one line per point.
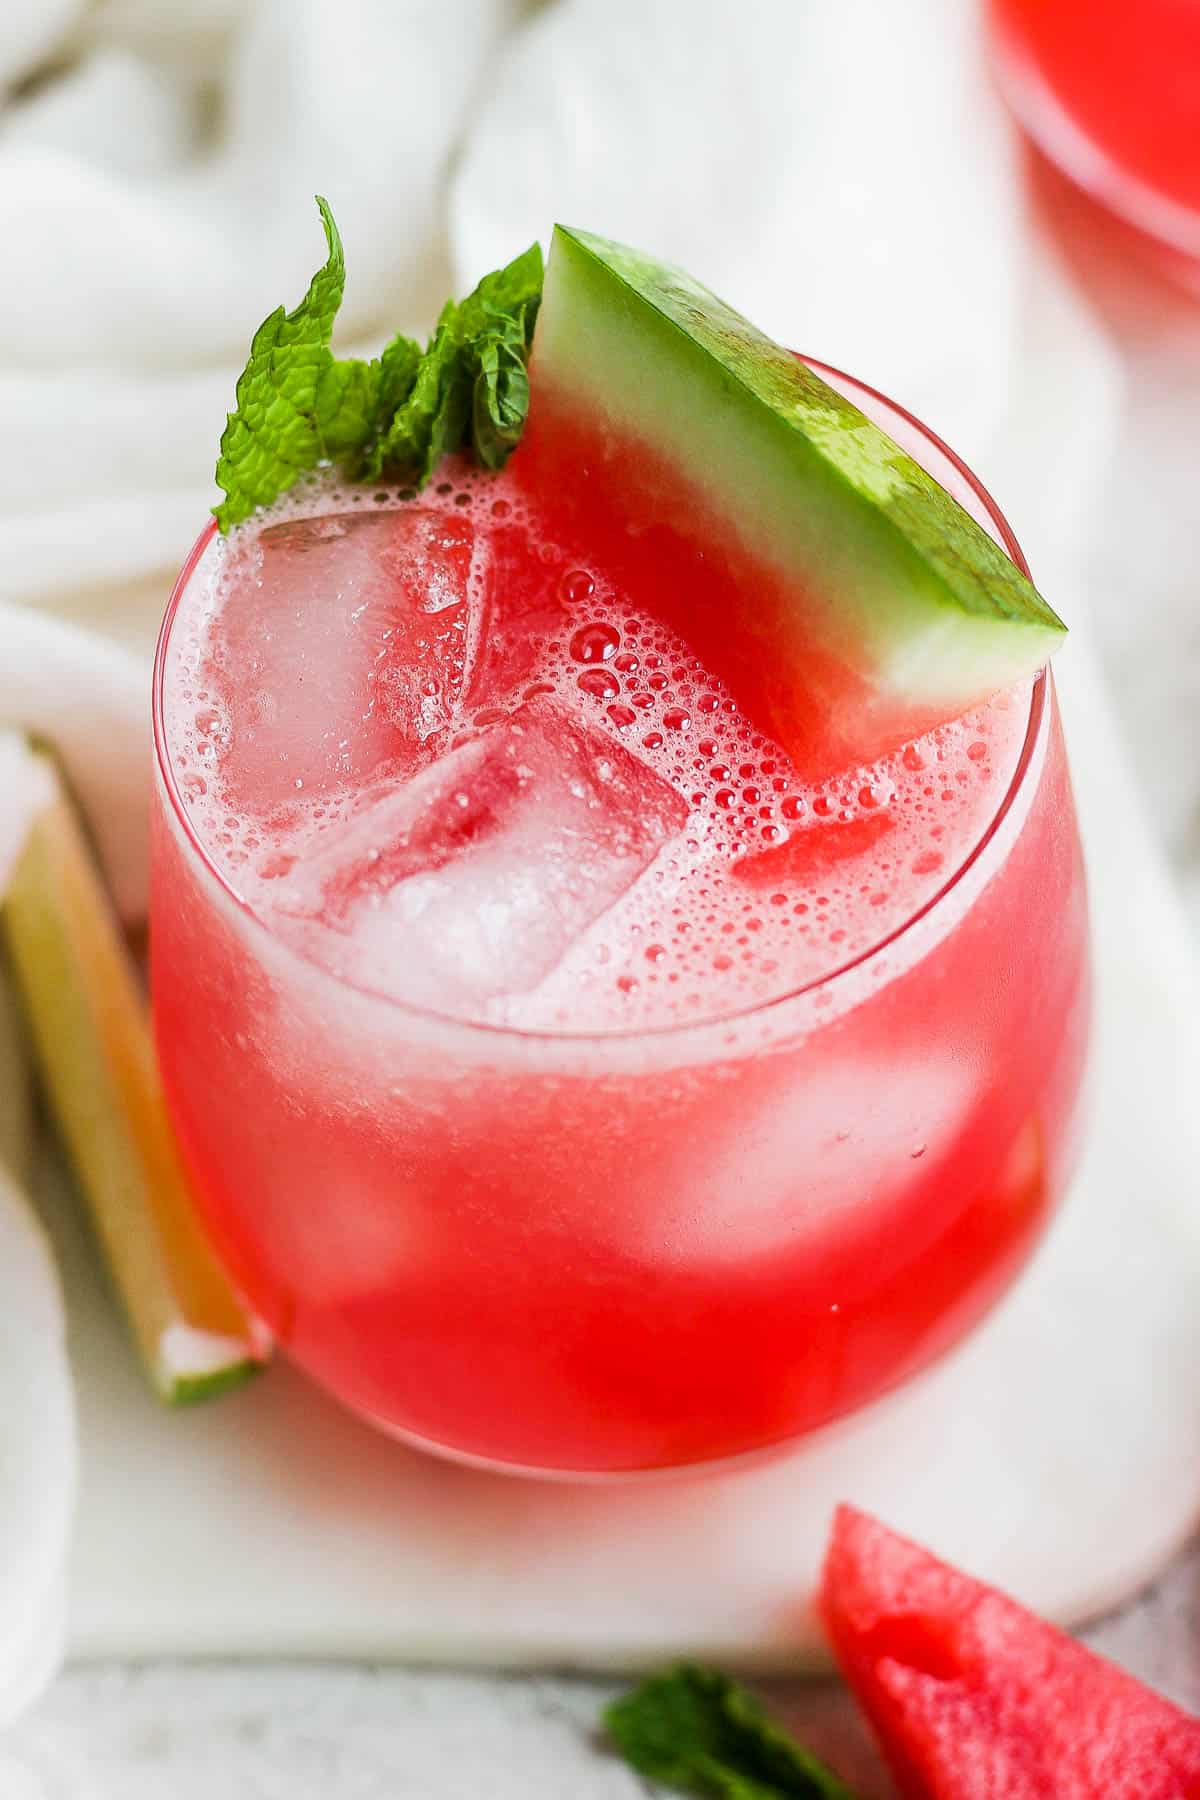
363 674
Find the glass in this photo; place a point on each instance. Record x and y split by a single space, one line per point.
1110 94
579 1255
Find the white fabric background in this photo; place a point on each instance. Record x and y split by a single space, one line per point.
841 171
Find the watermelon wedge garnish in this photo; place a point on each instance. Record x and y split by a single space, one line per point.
847 600
974 1698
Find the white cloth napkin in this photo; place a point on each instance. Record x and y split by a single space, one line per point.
839 170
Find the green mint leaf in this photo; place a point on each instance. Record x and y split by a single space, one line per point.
500 401
273 435
498 320
299 406
470 383
345 405
432 419
696 1730
398 370
398 367
505 294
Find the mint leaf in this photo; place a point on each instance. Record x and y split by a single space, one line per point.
398 367
498 319
432 419
697 1730
298 406
505 292
398 370
275 434
345 405
471 380
501 397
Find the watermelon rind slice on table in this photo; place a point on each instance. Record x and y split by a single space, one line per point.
88 1025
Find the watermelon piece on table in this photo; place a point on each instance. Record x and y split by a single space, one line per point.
974 1698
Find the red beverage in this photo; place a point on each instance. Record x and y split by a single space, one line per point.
569 1083
1111 93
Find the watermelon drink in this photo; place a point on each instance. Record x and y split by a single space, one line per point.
653 1103
618 930
1111 93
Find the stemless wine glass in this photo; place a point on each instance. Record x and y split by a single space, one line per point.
592 1255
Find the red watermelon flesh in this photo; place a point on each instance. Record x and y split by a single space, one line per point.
974 1698
814 852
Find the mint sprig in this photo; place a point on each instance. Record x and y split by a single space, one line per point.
697 1730
300 408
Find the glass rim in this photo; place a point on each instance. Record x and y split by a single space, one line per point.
679 1028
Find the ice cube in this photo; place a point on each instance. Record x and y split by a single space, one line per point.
348 654
472 880
872 1131
520 609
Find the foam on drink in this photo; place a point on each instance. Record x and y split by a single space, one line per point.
355 642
